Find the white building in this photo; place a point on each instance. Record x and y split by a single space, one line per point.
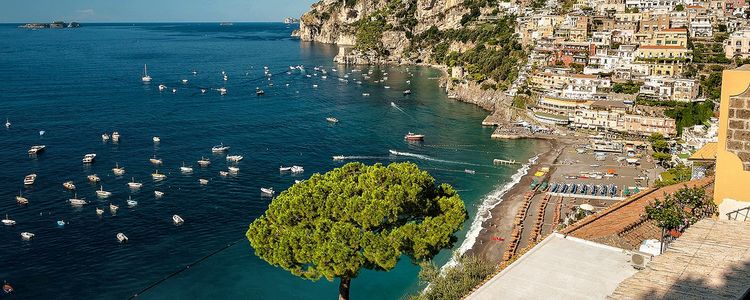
700 26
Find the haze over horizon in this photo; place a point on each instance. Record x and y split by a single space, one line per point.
17 11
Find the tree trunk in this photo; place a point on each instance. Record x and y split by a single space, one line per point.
344 288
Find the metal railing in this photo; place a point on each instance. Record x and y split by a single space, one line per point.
741 213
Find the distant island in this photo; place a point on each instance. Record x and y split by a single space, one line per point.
53 25
291 20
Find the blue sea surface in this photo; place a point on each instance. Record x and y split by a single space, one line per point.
76 84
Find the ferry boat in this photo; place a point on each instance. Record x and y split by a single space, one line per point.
414 137
204 162
93 178
155 161
134 185
158 176
36 149
177 220
101 193
68 185
145 77
235 158
29 179
119 171
122 238
219 148
89 158
332 120
8 222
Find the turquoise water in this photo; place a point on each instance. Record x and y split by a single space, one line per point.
77 84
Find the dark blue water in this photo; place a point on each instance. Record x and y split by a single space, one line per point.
77 84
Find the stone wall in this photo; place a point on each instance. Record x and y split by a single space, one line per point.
738 135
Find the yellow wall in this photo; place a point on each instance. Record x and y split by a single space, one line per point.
732 189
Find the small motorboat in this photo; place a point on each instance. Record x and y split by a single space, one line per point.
115 136
7 123
203 91
162 87
20 199
99 211
158 176
186 169
34 150
267 191
203 181
204 162
158 194
77 202
156 139
174 90
233 170
93 178
414 137
122 238
365 94
131 203
184 81
219 148
105 137
113 208
8 222
101 193
332 120
134 185
223 173
297 169
177 220
155 161
27 236
89 158
68 185
338 157
470 171
29 179
235 158
146 77
119 171
260 92
61 223
285 169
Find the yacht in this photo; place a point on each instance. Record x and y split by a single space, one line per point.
156 139
89 158
177 220
158 194
234 170
93 178
99 211
8 222
297 169
267 191
332 120
145 77
77 202
105 137
186 169
115 136
26 235
155 161
219 148
134 185
119 171
122 238
68 185
29 179
20 199
113 208
235 158
36 149
204 162
158 176
203 181
414 137
101 193
338 157
131 203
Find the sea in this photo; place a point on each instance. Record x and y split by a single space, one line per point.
65 88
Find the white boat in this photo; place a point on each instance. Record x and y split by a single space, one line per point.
338 157
177 220
115 136
203 91
219 148
7 123
20 199
77 202
158 176
387 87
122 238
119 171
131 203
134 185
101 193
68 185
223 173
145 77
203 181
34 150
366 94
99 211
332 120
468 171
297 181
158 194
89 158
184 81
186 169
235 158
233 170
204 162
105 137
174 90
222 91
285 169
315 86
267 191
29 179
61 223
297 169
93 178
155 161
8 222
113 208
162 87
26 236
156 139
407 92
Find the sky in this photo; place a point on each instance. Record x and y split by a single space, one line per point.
25 11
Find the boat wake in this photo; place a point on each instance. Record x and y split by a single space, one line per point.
427 158
484 212
399 108
361 157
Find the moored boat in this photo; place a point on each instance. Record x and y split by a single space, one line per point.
68 185
145 77
186 169
156 139
119 171
34 150
134 185
93 178
131 203
99 211
115 136
233 170
113 208
101 193
158 176
158 194
77 202
267 191
203 181
26 235
332 120
105 137
285 169
297 169
235 158
204 162
177 220
8 222
223 173
155 161
20 199
122 238
89 158
29 179
219 148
